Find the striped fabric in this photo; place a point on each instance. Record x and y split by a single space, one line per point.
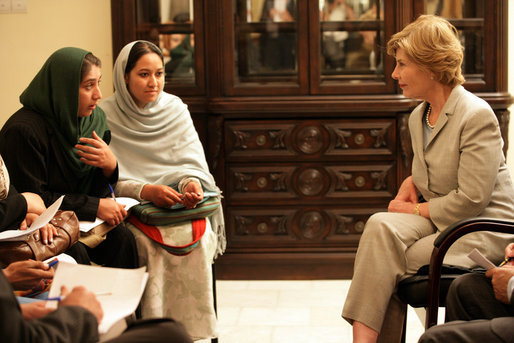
153 215
154 234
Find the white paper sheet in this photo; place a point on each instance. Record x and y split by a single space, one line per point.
42 220
480 259
118 290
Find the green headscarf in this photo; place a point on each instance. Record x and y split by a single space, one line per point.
54 94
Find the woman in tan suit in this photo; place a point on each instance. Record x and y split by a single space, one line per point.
458 172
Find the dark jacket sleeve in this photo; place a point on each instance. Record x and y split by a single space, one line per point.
12 210
66 324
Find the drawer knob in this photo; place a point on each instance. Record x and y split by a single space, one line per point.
359 226
262 227
262 182
359 139
260 140
360 181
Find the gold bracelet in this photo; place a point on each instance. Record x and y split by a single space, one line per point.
416 209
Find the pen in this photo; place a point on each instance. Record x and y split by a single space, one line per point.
507 259
59 298
112 192
114 198
53 262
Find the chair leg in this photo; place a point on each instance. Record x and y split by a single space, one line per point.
404 330
215 339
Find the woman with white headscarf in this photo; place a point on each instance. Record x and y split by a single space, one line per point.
161 160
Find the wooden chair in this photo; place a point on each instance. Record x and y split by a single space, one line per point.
215 339
428 287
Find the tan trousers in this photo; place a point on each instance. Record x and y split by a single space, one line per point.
394 246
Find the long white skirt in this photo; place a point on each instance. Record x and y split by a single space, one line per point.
179 287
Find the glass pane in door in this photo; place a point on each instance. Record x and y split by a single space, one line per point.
169 23
468 17
265 40
352 37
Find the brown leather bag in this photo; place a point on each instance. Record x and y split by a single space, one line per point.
67 226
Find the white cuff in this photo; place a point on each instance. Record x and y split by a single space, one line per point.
183 183
510 288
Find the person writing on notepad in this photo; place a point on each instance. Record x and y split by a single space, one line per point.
479 307
75 320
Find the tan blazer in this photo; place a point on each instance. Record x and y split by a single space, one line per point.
462 171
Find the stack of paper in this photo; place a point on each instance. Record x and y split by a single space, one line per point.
118 290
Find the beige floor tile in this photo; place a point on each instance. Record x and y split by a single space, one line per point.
295 297
246 334
228 316
232 285
336 285
246 298
274 316
281 285
289 312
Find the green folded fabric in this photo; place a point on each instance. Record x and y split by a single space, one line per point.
152 215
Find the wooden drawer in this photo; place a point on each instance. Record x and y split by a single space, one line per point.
296 227
309 139
310 183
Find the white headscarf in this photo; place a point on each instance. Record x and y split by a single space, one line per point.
157 144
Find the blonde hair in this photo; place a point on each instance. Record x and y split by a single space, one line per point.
433 44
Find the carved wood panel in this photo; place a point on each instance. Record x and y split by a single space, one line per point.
310 139
307 227
310 182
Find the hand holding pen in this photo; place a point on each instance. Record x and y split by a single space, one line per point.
80 296
53 263
110 210
113 197
509 256
23 275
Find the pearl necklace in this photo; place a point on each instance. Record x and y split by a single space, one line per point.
429 110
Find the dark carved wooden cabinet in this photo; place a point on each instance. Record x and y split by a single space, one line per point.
303 127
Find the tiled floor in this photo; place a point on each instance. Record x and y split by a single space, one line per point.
288 311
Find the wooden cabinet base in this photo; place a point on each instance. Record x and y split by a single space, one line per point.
285 266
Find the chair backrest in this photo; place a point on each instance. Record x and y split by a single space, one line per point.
441 245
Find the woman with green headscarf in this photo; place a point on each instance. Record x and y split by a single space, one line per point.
58 144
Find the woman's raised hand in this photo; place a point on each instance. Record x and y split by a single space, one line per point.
95 152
